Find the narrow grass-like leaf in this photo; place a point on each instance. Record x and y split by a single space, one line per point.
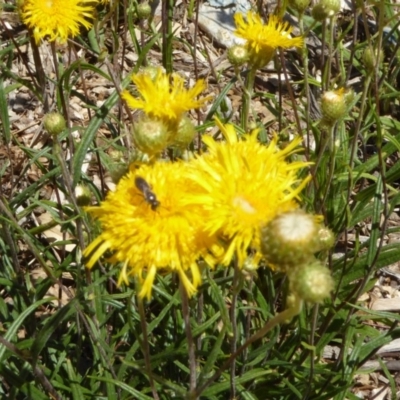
11 333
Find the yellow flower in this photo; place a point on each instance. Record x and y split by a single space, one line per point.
263 39
242 185
164 96
146 227
56 19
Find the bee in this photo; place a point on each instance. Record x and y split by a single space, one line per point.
148 194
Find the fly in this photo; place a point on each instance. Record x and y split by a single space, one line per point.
148 194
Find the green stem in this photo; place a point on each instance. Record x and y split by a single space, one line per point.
247 95
189 337
146 347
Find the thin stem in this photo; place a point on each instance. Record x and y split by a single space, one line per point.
247 95
189 337
332 150
146 348
304 53
236 288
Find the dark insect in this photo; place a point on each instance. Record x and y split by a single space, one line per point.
148 194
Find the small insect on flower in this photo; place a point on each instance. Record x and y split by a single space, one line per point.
148 194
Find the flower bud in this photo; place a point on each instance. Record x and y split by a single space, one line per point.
299 5
150 136
312 282
290 239
333 105
370 59
83 195
54 123
238 55
185 134
325 9
143 10
326 238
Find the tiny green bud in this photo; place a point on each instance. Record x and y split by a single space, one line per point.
185 133
290 239
299 5
370 59
238 55
83 195
325 9
333 105
150 136
332 5
311 282
143 10
54 123
326 238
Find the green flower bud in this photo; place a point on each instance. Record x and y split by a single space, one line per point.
54 123
332 5
333 105
238 55
312 282
326 238
299 5
370 59
118 167
143 10
290 239
185 134
83 195
150 136
325 9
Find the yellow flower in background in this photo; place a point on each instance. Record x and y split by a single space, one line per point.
164 96
146 227
56 19
263 39
241 186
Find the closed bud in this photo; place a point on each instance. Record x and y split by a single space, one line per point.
370 59
311 282
325 9
54 123
299 5
83 195
143 10
333 105
185 133
150 136
290 239
326 238
238 55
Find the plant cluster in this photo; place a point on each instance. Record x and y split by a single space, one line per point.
227 251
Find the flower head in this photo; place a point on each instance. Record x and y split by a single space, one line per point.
242 185
56 19
263 39
164 96
146 227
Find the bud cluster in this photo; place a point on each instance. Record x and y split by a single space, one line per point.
289 243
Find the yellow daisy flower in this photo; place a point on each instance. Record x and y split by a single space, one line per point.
56 19
164 96
146 227
263 39
242 185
